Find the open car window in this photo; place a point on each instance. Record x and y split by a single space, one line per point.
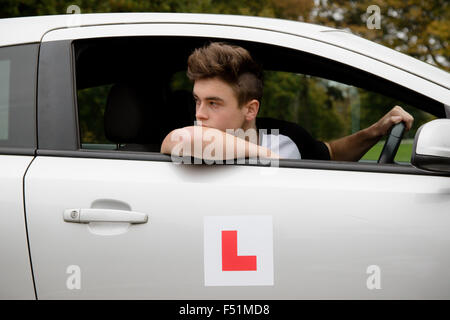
131 92
330 109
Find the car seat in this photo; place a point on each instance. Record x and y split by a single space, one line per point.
139 116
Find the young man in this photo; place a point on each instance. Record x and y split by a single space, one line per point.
228 90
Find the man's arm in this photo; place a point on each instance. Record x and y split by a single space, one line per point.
196 140
353 147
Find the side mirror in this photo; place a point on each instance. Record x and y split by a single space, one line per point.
431 148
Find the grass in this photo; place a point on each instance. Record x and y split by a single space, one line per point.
403 153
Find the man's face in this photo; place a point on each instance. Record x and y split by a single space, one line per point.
217 106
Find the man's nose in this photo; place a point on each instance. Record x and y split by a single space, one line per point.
200 112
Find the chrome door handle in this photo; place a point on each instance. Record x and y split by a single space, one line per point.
103 215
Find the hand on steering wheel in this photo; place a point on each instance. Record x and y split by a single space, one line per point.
392 143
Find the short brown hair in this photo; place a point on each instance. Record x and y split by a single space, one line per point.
232 64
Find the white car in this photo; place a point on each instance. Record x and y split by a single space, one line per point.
85 217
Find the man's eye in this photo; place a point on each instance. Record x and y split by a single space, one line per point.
212 103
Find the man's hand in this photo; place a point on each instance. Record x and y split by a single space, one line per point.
396 115
353 147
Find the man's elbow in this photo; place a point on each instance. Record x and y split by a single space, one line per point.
165 148
176 138
330 150
166 145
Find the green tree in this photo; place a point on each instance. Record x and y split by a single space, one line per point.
418 28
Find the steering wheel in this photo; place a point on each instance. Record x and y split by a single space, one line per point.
392 143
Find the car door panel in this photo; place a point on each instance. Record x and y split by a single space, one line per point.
16 279
328 228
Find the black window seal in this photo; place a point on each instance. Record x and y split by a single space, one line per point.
55 108
395 168
73 71
19 151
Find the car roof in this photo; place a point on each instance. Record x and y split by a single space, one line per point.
32 29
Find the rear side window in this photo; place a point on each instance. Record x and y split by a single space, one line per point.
17 98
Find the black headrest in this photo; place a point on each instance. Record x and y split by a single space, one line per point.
140 114
182 106
127 108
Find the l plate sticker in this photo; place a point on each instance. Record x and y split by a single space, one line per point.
238 250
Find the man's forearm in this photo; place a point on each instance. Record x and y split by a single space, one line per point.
353 147
227 146
211 144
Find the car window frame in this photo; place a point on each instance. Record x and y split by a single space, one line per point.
317 45
57 58
23 139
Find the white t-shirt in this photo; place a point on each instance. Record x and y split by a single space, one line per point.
281 145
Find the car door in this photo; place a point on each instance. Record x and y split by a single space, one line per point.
17 145
117 224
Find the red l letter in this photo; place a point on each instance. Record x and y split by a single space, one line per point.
230 260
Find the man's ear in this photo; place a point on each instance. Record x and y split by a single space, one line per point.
252 108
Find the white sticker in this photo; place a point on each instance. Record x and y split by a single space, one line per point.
238 250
